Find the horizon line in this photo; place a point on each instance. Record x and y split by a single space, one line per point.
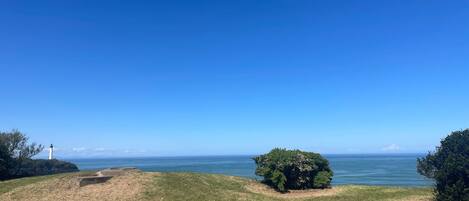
220 155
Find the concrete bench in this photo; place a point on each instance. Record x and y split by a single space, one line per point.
103 175
87 180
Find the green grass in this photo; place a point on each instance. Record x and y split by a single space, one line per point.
9 185
205 187
370 193
210 187
192 186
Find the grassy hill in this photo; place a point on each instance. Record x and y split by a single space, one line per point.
141 186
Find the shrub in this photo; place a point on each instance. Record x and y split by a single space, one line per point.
15 158
44 167
449 167
14 150
293 169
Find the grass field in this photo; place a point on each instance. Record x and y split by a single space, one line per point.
142 186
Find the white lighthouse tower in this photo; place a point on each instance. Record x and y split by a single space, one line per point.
51 152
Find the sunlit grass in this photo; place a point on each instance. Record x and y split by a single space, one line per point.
206 187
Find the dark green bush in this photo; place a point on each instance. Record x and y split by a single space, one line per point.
449 167
14 150
293 169
44 167
16 154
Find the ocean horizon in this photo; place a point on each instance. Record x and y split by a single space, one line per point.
364 169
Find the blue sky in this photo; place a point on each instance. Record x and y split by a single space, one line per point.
165 78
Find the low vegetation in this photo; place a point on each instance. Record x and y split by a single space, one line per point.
293 169
449 167
9 185
38 167
146 186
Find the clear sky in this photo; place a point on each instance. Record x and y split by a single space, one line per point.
165 78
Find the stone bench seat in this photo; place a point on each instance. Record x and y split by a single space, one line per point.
103 175
87 180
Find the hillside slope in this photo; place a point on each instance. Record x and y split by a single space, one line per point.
142 186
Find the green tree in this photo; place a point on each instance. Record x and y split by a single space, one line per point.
293 169
449 167
14 151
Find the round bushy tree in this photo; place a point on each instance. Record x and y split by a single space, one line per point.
449 167
293 169
16 158
14 151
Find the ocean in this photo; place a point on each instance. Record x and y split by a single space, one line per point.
365 169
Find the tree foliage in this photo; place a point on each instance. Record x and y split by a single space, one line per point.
16 154
293 169
44 167
449 167
15 150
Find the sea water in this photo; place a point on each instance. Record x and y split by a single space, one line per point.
367 169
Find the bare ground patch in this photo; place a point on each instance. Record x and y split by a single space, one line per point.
415 198
260 188
126 187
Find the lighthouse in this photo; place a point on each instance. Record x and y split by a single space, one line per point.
51 152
